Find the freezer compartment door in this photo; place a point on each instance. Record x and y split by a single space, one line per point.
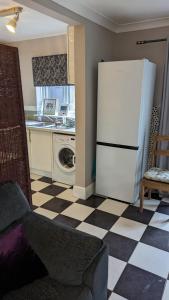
116 173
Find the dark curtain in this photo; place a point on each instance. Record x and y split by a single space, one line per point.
164 115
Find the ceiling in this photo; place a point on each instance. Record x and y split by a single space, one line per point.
129 11
116 15
122 15
31 24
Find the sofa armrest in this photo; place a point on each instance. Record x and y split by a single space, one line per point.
65 252
13 204
97 275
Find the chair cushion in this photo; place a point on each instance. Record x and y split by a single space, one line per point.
13 204
19 264
157 174
49 289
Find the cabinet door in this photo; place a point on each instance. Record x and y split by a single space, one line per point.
41 150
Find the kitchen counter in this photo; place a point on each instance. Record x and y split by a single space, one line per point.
52 129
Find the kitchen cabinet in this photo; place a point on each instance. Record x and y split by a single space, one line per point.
40 151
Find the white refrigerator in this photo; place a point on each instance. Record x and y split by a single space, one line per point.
125 100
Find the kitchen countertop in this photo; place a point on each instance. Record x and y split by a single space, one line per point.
70 131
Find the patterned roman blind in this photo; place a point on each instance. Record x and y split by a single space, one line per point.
50 70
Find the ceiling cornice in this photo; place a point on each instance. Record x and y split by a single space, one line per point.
147 24
108 23
89 14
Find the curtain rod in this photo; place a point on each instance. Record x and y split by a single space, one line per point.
150 41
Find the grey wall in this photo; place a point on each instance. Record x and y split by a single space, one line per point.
99 45
126 48
86 62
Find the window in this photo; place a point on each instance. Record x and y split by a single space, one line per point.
65 95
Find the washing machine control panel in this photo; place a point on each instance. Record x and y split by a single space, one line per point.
64 138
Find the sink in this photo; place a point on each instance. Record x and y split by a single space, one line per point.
33 123
46 125
61 127
55 126
49 125
39 124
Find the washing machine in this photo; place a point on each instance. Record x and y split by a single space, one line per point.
64 158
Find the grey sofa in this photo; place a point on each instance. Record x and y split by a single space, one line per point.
62 263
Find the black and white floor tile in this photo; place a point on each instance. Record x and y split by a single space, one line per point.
138 243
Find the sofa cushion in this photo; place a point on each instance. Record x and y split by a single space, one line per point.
65 252
13 204
48 289
19 264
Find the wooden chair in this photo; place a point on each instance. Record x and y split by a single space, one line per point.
155 178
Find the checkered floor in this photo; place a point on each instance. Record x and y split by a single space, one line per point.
138 243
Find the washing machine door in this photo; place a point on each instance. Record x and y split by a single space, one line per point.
66 158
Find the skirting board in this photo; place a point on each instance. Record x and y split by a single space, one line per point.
84 192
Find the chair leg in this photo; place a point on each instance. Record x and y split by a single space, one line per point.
142 197
149 194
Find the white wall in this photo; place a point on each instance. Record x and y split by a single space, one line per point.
36 47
